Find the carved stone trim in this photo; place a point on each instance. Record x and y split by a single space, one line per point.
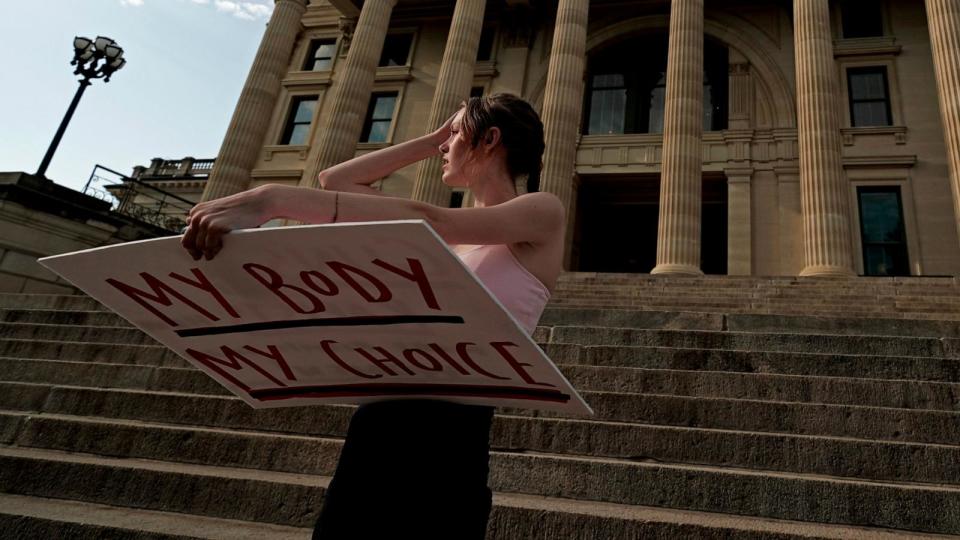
346 25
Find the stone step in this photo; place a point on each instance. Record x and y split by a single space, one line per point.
89 334
667 320
243 494
869 423
754 341
148 355
816 364
774 342
291 499
557 316
733 287
49 301
753 293
73 317
759 308
859 366
863 282
831 456
902 281
816 302
790 388
514 517
37 517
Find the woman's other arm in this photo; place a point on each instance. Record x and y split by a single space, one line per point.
534 218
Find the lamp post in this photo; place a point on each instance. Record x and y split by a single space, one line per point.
94 59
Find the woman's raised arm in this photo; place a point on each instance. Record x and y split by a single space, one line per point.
356 175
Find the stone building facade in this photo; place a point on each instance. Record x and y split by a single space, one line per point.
773 137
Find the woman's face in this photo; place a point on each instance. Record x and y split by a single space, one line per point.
456 151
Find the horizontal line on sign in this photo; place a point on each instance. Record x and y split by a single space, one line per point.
409 389
363 320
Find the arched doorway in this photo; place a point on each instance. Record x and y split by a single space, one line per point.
617 220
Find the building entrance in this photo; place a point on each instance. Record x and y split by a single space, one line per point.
617 220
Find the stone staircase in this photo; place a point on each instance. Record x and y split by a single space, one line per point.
726 407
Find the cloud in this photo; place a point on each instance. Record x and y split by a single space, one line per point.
243 9
250 10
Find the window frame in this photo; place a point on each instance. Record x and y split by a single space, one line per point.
289 122
836 23
494 41
893 89
628 114
313 45
413 42
905 243
368 119
895 175
881 11
851 71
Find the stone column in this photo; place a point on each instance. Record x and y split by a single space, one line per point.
563 100
790 220
251 118
742 100
453 86
824 191
739 222
681 184
944 21
346 104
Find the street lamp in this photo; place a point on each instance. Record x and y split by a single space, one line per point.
95 59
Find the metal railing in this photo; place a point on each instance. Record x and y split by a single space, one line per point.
139 200
179 167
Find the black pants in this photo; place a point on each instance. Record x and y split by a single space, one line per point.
411 469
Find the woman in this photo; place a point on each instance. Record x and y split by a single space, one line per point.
418 468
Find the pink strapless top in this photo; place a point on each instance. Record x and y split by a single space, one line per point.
519 291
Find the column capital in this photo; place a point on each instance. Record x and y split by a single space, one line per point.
738 174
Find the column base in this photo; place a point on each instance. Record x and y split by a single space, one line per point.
827 272
677 270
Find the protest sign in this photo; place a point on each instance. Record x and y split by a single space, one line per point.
340 313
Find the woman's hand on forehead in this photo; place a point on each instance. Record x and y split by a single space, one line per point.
443 132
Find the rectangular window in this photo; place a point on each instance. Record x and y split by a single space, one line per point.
861 19
485 50
297 129
320 57
869 97
608 103
882 232
396 50
376 127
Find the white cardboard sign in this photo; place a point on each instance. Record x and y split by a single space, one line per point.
342 313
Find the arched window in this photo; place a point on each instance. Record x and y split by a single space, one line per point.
626 86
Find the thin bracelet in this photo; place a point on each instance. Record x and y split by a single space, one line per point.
336 206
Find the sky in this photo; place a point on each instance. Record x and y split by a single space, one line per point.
186 64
